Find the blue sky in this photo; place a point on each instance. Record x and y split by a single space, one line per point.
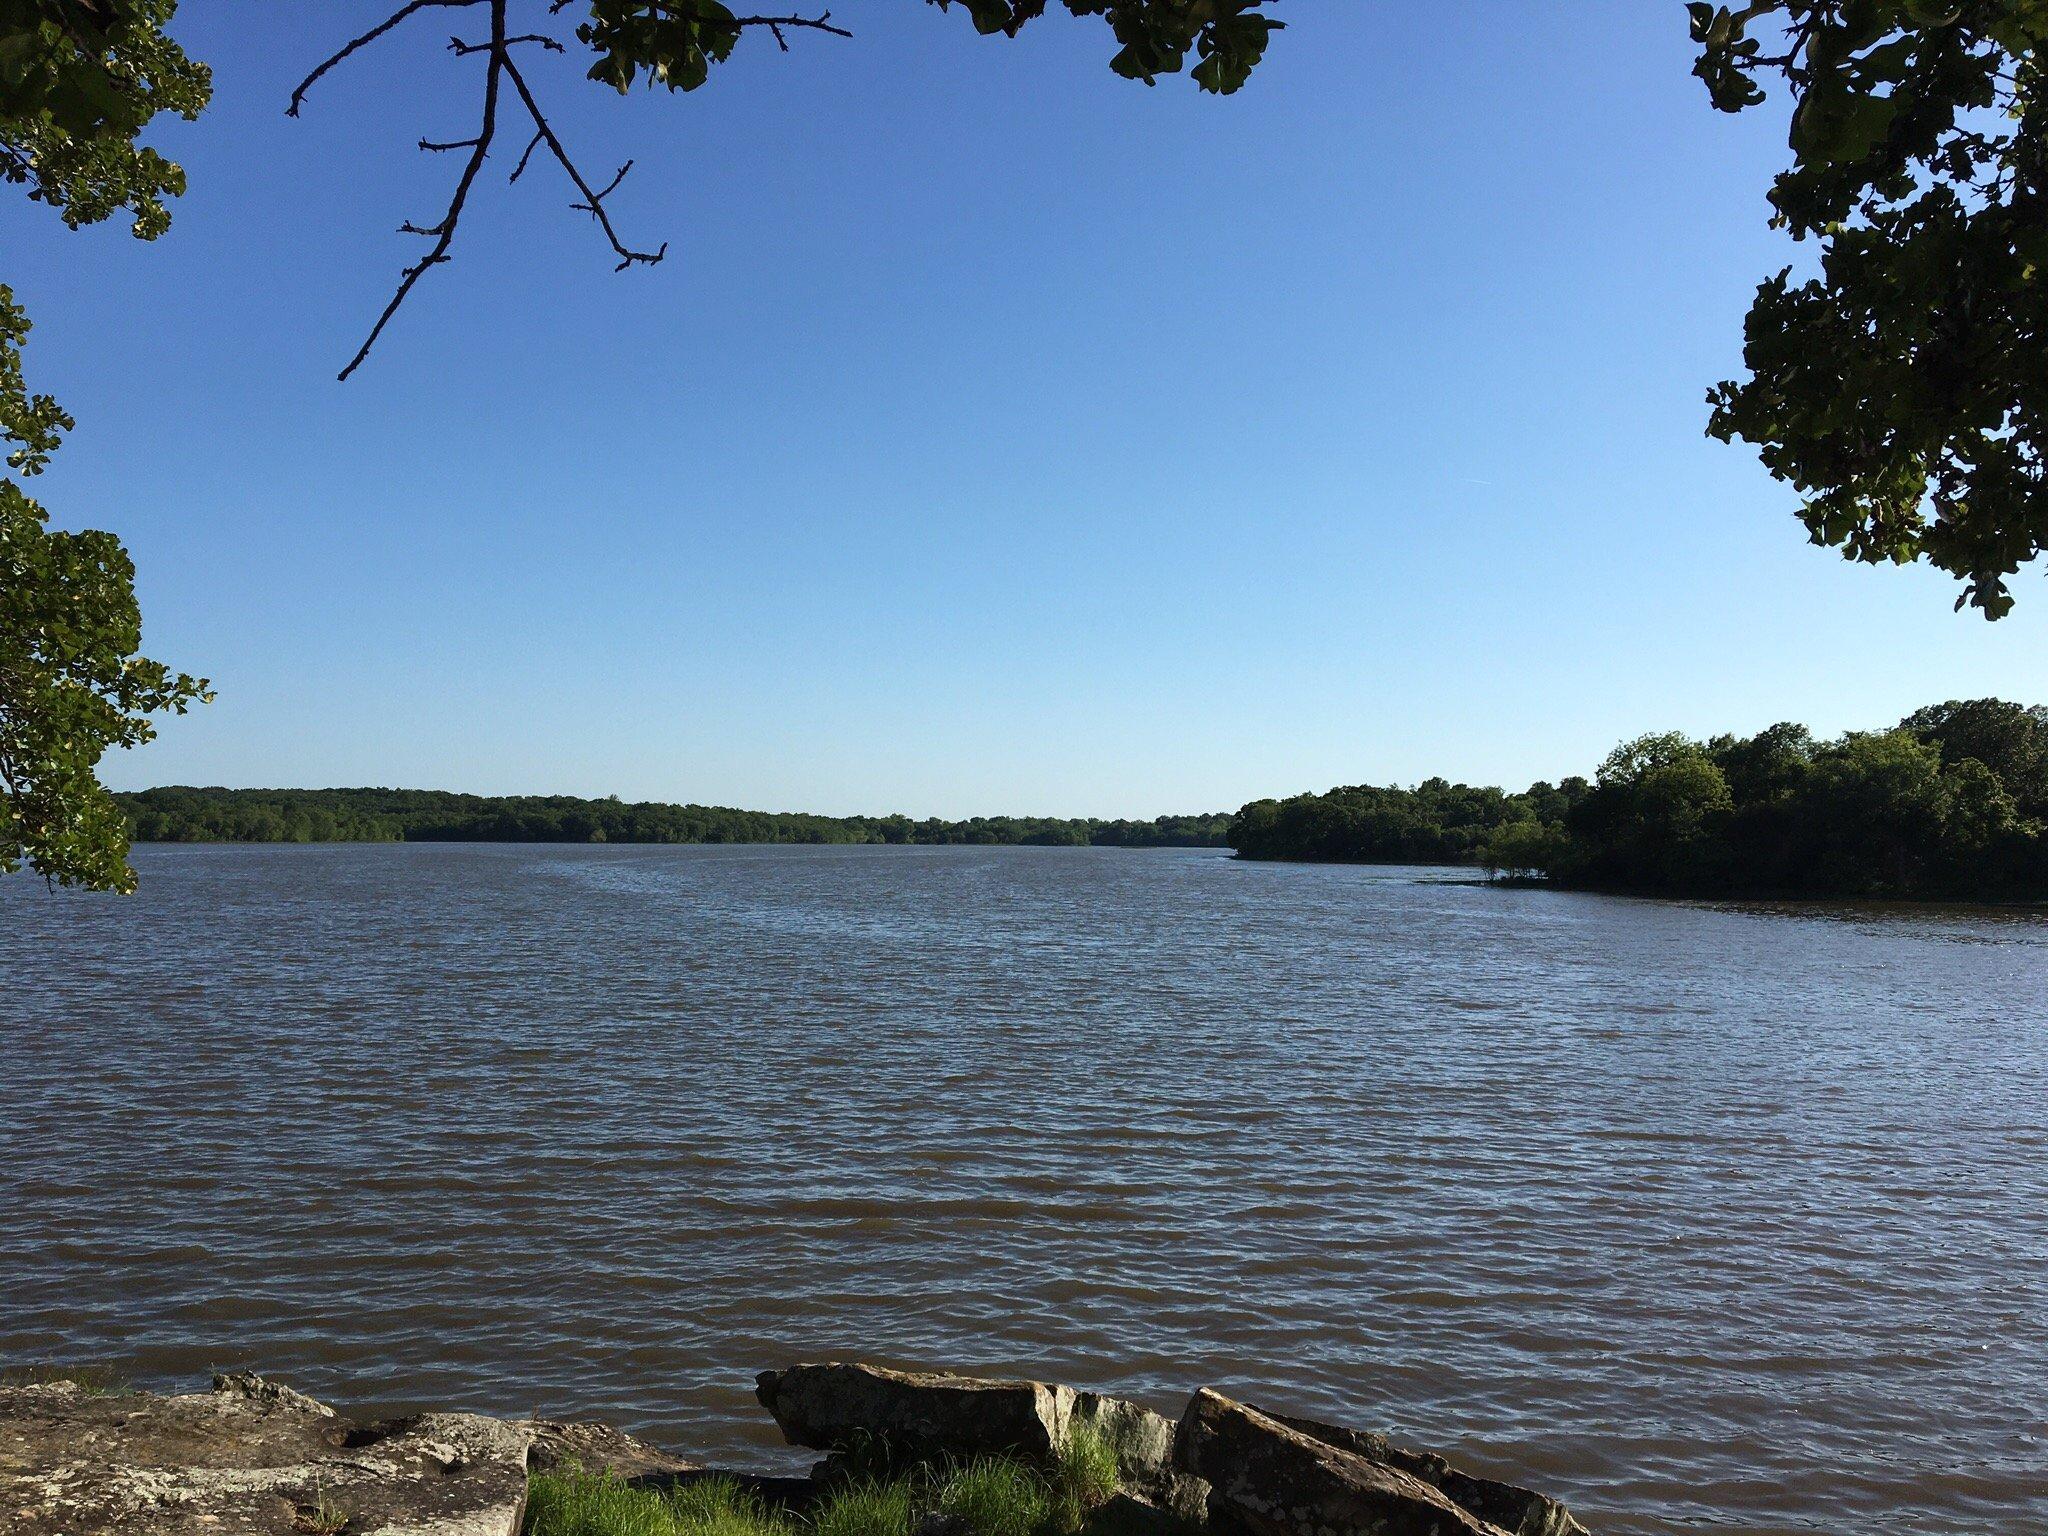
998 435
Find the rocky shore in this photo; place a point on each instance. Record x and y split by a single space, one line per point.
253 1457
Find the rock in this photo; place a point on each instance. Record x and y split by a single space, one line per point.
1511 1508
868 1418
599 1448
250 1458
1267 1479
1142 1439
1146 1475
885 1417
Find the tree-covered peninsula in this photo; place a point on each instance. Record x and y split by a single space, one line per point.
181 814
1952 803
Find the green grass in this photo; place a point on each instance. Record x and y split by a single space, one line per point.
568 1502
992 1496
866 1509
1084 1475
322 1517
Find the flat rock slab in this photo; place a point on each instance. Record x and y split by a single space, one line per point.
1512 1508
590 1447
249 1458
897 1416
866 1416
1268 1479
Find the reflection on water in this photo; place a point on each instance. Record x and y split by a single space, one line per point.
1700 1217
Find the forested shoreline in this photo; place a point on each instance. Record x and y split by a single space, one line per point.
1952 803
185 814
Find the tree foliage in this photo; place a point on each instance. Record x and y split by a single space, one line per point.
183 814
1437 822
79 81
1901 390
1953 802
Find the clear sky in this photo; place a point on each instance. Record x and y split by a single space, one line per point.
998 435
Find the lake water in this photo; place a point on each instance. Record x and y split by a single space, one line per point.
1699 1218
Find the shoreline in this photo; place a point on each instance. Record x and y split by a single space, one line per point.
904 1454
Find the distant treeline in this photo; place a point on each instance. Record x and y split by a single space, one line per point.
1951 803
181 814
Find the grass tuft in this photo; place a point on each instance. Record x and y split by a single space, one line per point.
865 1509
322 1517
993 1497
570 1502
722 1506
990 1497
1084 1476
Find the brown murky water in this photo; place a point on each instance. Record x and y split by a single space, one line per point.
1702 1219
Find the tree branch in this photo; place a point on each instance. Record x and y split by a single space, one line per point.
775 24
593 202
444 231
412 7
525 155
499 68
461 49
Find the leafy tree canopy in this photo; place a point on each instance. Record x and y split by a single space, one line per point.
1901 391
79 80
1942 805
182 814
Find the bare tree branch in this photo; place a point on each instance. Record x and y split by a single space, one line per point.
412 7
499 68
593 202
525 155
819 23
444 231
610 186
459 48
775 24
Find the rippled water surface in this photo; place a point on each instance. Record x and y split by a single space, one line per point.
1700 1218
